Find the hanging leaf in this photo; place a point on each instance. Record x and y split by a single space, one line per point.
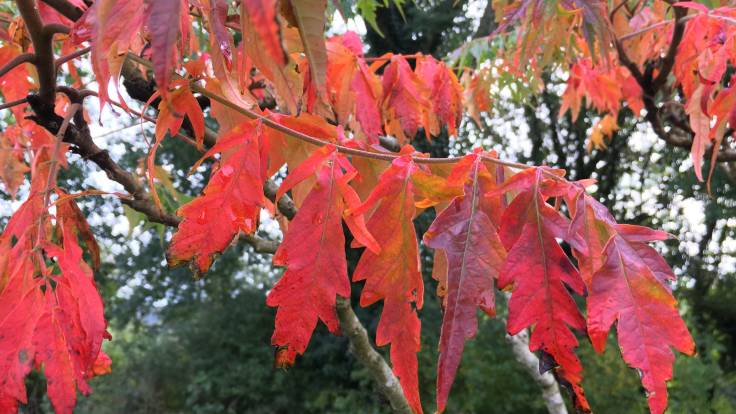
309 16
163 23
314 254
229 204
467 236
539 273
398 283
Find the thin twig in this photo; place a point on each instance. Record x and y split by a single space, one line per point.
8 105
16 61
81 52
43 51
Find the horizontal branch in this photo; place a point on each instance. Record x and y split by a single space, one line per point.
65 8
317 141
16 61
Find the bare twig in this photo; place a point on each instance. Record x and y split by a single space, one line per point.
43 51
65 8
8 105
361 347
669 59
16 61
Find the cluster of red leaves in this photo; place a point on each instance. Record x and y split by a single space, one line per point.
51 314
493 226
703 56
484 242
706 51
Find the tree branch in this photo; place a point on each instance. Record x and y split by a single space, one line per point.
363 351
43 52
669 60
550 390
16 61
65 8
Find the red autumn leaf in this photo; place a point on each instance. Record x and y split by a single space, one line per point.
263 16
700 124
283 149
217 15
259 49
163 23
397 282
172 110
466 234
314 253
12 166
406 103
591 221
631 288
20 301
477 92
230 202
539 273
60 330
72 213
598 84
111 27
14 84
309 16
445 96
171 114
368 95
341 68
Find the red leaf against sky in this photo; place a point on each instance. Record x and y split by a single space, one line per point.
230 202
313 251
598 84
539 274
477 92
163 23
394 275
700 124
475 254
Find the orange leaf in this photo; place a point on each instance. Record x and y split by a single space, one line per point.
474 253
313 251
230 202
397 282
